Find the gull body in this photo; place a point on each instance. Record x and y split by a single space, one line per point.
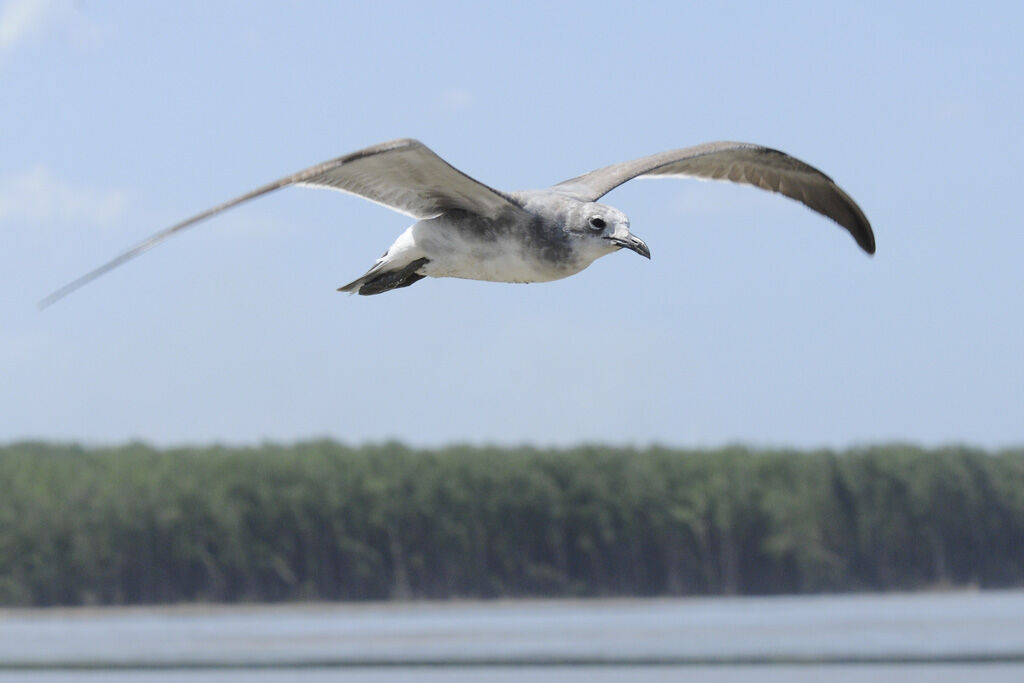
465 229
555 239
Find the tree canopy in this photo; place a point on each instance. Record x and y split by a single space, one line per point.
322 521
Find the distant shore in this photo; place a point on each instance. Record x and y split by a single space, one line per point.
324 522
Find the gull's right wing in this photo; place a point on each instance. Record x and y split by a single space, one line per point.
403 175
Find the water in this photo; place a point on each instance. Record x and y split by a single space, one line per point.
934 636
986 673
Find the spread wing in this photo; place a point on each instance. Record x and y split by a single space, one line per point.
738 162
402 174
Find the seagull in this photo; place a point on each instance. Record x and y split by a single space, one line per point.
465 229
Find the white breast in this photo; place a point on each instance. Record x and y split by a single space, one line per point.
454 254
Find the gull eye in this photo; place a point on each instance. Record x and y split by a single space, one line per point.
597 223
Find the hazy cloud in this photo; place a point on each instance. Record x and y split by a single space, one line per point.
20 20
38 196
456 99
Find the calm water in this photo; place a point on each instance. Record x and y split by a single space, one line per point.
986 673
617 639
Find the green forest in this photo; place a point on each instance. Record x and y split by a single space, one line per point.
322 521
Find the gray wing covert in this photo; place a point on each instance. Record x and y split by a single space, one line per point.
407 176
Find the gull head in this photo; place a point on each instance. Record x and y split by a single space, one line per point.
600 229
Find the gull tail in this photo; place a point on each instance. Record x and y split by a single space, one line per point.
376 281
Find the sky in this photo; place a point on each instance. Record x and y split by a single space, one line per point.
756 321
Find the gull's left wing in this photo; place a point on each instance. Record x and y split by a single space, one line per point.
738 162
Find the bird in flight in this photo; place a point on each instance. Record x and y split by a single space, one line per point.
466 229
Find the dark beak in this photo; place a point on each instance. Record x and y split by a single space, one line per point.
632 243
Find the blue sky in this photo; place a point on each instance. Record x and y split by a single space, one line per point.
756 321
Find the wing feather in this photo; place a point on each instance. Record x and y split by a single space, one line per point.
402 174
738 162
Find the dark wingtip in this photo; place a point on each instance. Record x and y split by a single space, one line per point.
866 241
865 237
849 215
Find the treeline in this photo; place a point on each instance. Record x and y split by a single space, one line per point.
321 521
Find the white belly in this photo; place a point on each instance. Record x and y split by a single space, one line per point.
497 260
